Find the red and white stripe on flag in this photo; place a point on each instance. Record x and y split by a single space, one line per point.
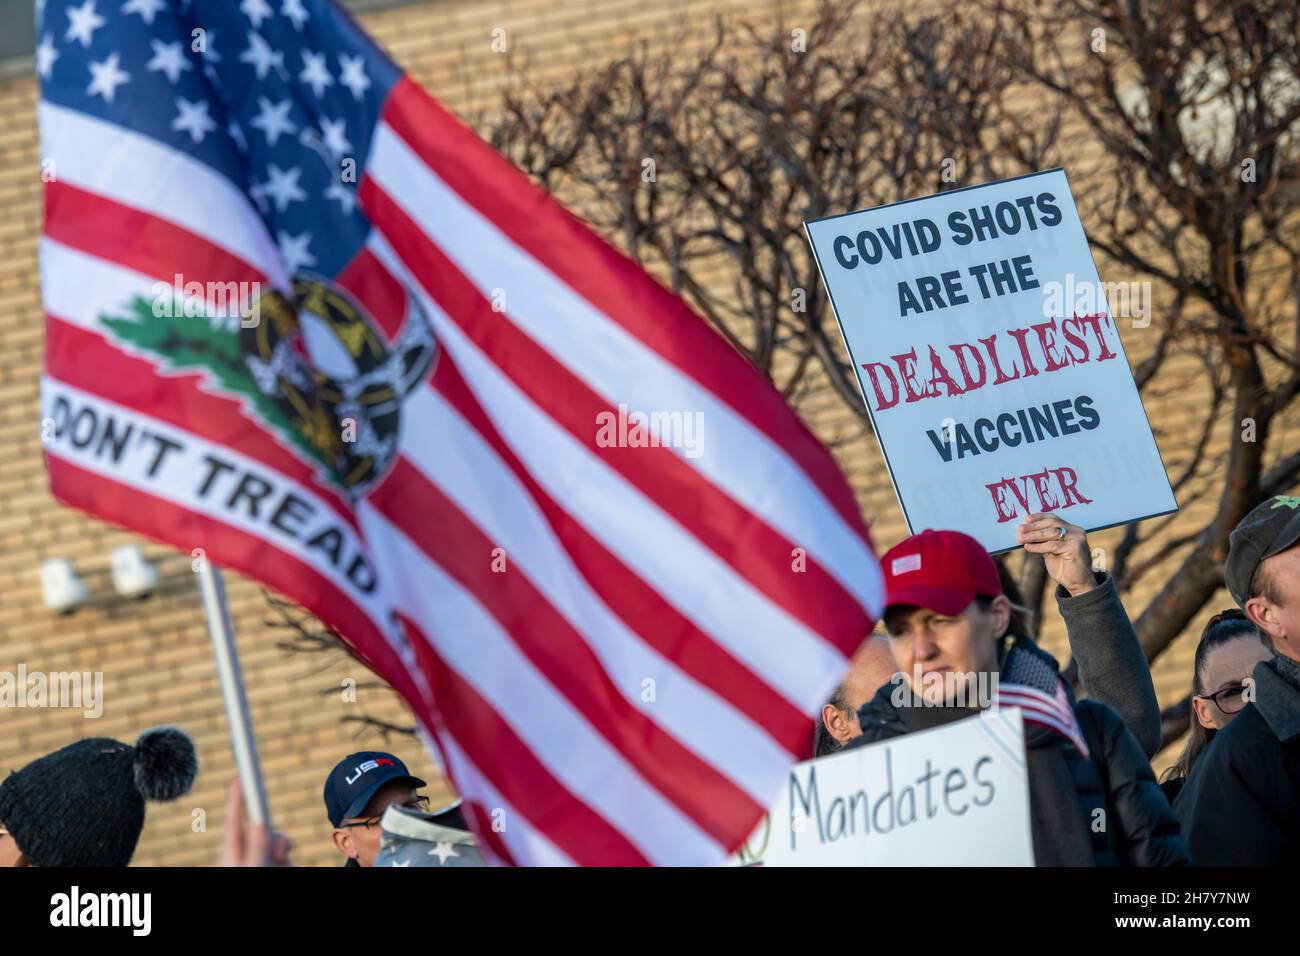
1053 711
615 650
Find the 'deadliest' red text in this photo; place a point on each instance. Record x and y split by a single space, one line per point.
997 359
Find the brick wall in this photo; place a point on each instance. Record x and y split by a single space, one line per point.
154 654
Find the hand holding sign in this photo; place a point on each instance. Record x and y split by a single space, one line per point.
1064 548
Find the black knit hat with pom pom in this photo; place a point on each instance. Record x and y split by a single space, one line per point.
84 805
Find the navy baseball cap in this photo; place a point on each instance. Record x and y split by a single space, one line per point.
357 778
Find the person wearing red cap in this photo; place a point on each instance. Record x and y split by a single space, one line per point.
1111 665
1093 798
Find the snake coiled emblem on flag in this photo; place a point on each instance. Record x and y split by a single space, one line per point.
323 361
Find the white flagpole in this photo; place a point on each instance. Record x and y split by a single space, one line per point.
222 633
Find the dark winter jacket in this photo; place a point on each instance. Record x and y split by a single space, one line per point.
1112 667
1136 826
1241 804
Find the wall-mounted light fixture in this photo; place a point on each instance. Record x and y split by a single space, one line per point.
133 576
61 589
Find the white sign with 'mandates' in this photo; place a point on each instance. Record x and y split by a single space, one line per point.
990 360
957 795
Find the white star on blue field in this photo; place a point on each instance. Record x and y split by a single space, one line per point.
280 96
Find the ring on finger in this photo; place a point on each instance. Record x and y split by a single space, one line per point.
1060 533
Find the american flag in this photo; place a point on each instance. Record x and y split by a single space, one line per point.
1029 680
606 566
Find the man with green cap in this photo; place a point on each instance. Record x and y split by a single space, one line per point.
1241 805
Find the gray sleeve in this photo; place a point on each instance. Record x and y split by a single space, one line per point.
1112 667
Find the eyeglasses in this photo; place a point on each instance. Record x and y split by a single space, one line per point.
415 803
1228 699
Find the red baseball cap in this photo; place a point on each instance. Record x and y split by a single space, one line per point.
940 570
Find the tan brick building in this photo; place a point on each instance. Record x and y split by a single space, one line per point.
156 662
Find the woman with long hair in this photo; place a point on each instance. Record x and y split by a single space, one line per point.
1228 651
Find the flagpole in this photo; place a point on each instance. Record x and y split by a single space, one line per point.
222 633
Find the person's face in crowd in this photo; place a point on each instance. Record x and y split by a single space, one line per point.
870 669
924 641
1280 619
360 837
10 855
1226 668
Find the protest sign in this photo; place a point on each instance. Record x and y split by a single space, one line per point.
990 361
957 795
